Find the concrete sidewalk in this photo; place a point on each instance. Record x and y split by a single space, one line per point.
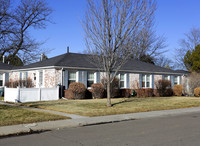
84 121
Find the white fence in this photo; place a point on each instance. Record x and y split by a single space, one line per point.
30 94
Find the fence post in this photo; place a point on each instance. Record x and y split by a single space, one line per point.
18 94
39 93
58 92
5 93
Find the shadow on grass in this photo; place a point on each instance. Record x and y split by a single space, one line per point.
124 101
134 99
36 105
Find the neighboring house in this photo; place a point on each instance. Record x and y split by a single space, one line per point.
4 73
72 67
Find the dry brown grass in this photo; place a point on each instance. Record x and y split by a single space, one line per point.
10 115
97 107
1 98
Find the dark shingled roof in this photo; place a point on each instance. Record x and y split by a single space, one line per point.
4 66
76 60
182 71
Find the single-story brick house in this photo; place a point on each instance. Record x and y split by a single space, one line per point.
73 67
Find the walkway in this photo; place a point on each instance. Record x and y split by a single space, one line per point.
72 116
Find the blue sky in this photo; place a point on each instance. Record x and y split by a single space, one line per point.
173 19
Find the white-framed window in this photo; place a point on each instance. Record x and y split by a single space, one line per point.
176 80
166 77
41 78
121 77
121 80
90 79
146 81
71 77
1 79
24 76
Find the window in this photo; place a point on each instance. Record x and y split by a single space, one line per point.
121 81
90 79
34 75
71 77
24 75
41 78
175 80
166 77
1 79
20 75
145 81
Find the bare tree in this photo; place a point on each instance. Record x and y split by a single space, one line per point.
149 44
112 29
192 82
27 15
6 25
191 40
165 62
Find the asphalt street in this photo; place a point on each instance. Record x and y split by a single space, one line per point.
181 130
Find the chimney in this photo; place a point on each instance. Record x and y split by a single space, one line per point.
67 49
3 59
42 55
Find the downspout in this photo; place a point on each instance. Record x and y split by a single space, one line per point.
62 90
62 77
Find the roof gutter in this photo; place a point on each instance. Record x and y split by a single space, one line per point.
5 70
92 69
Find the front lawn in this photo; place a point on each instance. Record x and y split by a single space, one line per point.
97 107
1 98
10 115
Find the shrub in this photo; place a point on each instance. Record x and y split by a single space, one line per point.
69 94
178 90
125 92
193 81
148 92
76 91
28 83
97 90
197 92
114 86
164 88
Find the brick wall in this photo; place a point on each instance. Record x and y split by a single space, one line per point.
156 78
134 81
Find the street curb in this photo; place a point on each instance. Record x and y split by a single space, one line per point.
70 123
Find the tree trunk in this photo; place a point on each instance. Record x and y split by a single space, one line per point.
108 90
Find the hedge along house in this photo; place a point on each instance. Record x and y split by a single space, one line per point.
72 67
